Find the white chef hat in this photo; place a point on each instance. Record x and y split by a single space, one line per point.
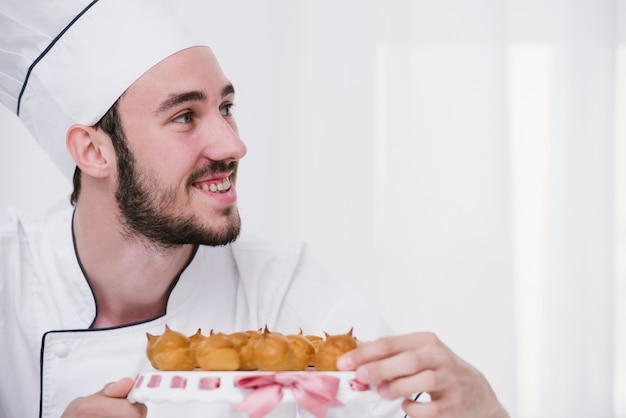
67 61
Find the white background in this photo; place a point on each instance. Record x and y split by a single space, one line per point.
458 161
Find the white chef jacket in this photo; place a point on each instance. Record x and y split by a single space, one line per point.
49 356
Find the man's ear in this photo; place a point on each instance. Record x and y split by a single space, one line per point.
91 149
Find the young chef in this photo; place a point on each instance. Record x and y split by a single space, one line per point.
133 107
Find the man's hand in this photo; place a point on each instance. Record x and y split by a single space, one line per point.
110 402
408 364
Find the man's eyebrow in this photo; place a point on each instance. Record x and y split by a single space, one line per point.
176 99
191 96
228 89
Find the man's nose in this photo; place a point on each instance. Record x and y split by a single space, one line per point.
222 142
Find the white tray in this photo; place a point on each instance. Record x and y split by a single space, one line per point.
200 386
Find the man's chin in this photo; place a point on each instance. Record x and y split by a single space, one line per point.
178 232
224 234
220 240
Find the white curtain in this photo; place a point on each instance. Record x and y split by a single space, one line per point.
459 161
562 114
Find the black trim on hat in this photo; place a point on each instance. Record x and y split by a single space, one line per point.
45 51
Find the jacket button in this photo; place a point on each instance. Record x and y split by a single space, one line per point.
61 350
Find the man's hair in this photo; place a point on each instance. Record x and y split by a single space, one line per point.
111 124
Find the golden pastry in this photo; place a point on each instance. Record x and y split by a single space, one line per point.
170 351
272 352
303 351
261 349
246 353
333 347
217 352
194 341
315 340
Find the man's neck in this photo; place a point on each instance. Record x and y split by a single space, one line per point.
130 278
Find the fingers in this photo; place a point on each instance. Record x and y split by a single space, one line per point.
422 410
426 381
413 363
395 357
119 389
107 403
92 407
386 347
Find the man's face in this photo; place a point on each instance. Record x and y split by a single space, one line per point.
177 182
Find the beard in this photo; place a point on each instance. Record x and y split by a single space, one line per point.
146 208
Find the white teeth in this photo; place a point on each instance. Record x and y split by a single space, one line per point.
217 187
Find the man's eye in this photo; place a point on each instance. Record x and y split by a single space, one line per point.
226 110
184 118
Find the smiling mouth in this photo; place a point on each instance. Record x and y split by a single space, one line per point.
215 186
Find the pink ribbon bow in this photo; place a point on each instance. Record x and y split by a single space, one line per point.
316 393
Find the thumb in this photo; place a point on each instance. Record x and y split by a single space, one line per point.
119 389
